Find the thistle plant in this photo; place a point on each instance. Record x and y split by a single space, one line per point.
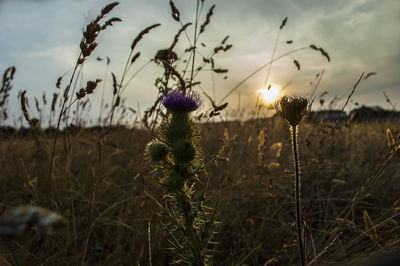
175 152
293 110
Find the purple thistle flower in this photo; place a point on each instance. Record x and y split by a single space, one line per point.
181 101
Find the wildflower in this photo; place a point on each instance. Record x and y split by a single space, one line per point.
176 150
181 101
293 109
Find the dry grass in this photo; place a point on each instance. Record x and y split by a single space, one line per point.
109 213
99 180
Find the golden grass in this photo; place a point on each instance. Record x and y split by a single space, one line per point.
103 197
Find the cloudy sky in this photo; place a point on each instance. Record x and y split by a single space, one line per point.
41 38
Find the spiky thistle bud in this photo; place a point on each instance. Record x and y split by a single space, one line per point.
177 126
157 151
183 151
293 109
174 182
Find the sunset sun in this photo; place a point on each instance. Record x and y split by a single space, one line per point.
270 95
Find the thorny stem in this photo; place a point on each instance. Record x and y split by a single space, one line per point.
197 253
297 195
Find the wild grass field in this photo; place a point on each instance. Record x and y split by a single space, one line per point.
109 214
183 185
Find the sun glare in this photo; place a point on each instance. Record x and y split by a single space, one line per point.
270 95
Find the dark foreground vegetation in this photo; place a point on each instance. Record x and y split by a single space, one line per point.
99 187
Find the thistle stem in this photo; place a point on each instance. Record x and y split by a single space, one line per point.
297 195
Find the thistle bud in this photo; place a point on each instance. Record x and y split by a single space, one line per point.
183 151
293 109
157 151
173 182
179 126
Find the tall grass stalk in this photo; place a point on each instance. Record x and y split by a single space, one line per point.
87 46
118 86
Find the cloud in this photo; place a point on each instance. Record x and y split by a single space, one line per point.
359 35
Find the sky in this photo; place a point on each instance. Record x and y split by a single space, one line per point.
41 39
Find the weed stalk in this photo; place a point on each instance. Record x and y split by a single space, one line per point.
294 131
294 110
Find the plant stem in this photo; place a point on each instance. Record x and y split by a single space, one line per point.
194 45
50 180
272 58
297 195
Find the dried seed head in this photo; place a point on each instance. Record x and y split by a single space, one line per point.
91 85
165 55
81 93
88 44
54 101
58 84
293 109
176 38
390 138
283 23
297 64
174 11
107 9
24 103
142 33
209 15
135 57
110 22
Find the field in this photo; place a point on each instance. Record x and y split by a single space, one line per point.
103 197
193 180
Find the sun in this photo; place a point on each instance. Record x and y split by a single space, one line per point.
270 95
